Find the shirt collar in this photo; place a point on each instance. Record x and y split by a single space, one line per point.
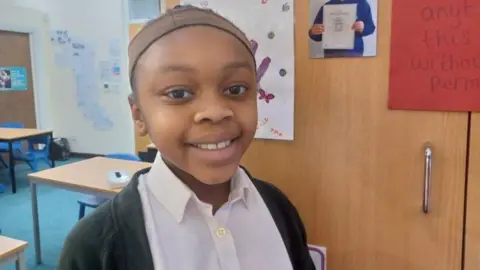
174 195
240 187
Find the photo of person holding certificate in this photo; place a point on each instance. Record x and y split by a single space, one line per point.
342 28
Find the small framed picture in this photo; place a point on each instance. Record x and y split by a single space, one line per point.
342 28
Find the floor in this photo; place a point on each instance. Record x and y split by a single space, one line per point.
58 211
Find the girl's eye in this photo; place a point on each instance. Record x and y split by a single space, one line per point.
236 90
179 94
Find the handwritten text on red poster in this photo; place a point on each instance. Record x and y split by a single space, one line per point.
435 55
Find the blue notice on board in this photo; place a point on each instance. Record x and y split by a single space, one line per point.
13 79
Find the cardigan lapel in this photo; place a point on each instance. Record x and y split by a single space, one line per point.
130 223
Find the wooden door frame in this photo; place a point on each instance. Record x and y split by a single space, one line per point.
163 6
39 67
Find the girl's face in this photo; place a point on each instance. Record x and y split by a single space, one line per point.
196 99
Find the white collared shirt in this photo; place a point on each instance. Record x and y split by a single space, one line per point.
184 235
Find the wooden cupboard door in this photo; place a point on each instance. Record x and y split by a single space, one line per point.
472 224
355 170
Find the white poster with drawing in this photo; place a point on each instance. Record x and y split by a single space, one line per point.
270 28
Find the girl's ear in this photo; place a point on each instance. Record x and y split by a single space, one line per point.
137 116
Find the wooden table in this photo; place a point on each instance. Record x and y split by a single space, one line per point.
12 250
88 176
10 135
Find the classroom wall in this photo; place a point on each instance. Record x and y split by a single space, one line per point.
97 23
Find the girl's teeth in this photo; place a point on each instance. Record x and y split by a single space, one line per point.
214 146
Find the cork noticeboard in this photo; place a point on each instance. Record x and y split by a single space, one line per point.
17 106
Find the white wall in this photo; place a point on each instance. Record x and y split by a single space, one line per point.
97 23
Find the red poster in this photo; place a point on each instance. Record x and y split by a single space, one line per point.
435 55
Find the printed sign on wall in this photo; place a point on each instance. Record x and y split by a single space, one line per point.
13 79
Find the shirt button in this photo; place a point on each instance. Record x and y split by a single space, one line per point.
221 232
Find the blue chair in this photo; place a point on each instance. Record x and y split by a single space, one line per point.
95 201
35 153
3 162
17 146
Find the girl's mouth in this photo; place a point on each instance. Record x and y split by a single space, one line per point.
215 146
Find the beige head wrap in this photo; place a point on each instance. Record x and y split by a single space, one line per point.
175 19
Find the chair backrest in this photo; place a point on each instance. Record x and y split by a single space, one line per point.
124 156
318 255
12 125
45 140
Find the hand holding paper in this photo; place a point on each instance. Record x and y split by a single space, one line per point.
317 29
358 26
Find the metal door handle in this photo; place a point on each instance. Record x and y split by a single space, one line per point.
427 178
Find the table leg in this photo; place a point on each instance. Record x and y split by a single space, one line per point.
51 150
20 262
11 164
36 226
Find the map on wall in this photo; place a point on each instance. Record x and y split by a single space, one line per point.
79 56
270 28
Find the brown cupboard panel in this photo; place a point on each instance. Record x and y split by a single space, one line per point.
472 224
356 169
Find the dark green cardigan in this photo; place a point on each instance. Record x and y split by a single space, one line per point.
113 237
